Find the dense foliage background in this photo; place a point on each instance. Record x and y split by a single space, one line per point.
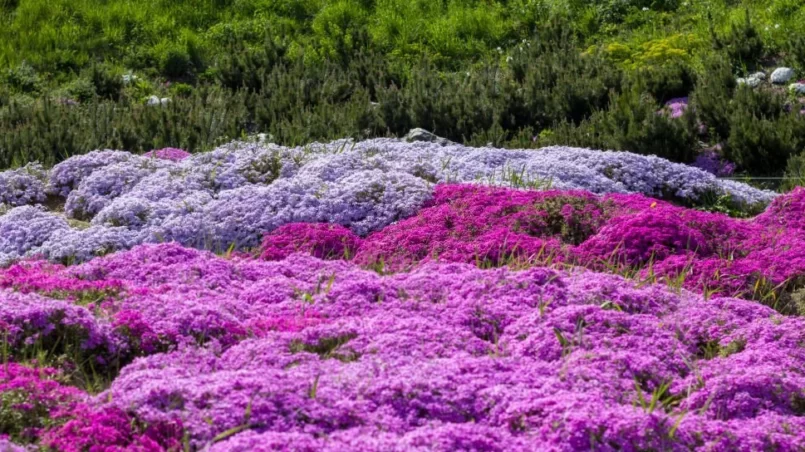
78 75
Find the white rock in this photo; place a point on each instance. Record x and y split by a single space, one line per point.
782 75
164 100
758 75
797 88
128 78
153 100
749 81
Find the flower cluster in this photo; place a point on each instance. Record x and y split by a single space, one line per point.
451 356
322 240
31 400
67 175
24 228
23 186
172 154
495 226
37 407
711 162
104 184
231 196
29 322
111 430
405 297
240 353
676 107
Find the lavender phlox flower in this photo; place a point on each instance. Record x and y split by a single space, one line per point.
25 228
65 176
23 186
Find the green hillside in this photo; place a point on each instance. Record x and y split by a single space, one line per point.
78 75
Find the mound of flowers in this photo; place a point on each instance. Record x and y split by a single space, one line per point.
228 198
406 296
38 408
706 252
315 354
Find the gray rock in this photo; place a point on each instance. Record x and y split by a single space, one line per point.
423 135
758 75
264 138
797 88
154 101
749 81
782 75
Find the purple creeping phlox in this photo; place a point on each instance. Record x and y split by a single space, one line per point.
172 154
23 186
535 359
676 107
712 252
229 197
712 162
313 354
39 408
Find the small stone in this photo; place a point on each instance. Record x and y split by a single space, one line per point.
782 75
758 75
797 88
153 100
423 135
749 81
264 138
164 100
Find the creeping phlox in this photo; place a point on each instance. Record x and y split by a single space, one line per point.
246 354
711 253
229 197
406 296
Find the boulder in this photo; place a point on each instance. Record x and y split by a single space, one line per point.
782 75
